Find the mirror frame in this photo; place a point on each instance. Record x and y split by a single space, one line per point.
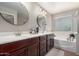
14 13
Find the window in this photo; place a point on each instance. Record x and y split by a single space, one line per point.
63 23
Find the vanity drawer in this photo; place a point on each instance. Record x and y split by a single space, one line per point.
34 40
43 44
42 38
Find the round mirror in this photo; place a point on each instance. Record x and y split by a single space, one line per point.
14 12
41 21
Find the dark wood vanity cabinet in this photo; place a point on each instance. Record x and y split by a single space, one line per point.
37 46
33 49
14 48
25 47
42 45
50 42
20 52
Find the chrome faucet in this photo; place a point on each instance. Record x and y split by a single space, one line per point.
71 37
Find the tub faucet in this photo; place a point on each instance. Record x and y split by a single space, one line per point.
71 37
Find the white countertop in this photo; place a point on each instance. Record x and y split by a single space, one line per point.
12 38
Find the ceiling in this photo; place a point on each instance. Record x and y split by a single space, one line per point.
57 7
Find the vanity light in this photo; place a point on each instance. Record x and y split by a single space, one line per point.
42 12
45 12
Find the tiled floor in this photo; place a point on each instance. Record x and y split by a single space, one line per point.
58 52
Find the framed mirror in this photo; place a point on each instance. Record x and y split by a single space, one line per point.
41 21
14 13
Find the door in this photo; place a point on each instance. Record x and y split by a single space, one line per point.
33 50
51 43
42 45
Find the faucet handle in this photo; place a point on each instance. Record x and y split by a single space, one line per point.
72 35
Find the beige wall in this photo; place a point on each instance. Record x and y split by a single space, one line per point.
33 11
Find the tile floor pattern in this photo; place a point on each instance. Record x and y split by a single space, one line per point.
58 52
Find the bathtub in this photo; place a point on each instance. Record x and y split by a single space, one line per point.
60 41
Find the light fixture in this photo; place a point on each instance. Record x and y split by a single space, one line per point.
42 12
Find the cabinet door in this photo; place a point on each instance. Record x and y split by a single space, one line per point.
48 44
33 50
42 45
43 48
20 52
51 43
42 52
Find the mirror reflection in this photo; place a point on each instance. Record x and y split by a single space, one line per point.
14 13
41 21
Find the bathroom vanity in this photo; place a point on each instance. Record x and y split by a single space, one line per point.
37 45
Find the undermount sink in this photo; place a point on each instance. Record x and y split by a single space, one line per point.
21 34
17 34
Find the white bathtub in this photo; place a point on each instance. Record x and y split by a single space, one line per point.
61 41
